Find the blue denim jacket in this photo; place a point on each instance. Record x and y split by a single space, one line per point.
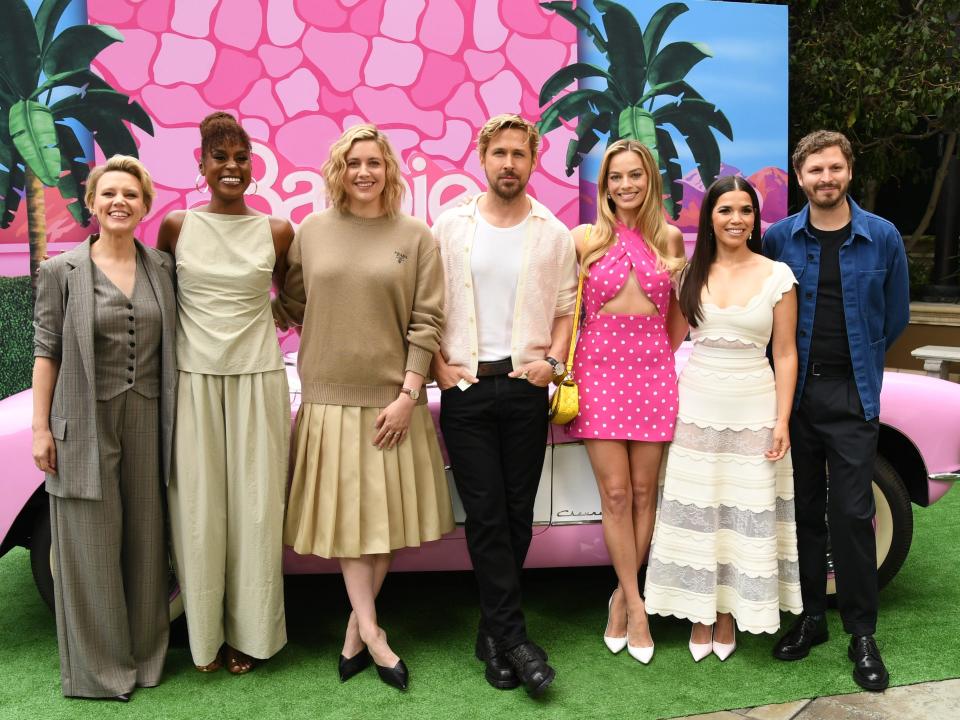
875 286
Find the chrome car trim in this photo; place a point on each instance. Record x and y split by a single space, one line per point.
946 477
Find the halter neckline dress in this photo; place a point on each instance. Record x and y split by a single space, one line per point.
623 364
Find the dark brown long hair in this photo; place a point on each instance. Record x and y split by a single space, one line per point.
705 252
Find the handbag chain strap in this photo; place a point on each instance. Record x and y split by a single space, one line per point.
576 313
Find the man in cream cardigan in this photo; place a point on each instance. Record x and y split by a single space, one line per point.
510 286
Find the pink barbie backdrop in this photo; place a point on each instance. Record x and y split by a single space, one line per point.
428 72
298 72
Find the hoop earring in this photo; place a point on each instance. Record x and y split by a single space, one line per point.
256 187
196 184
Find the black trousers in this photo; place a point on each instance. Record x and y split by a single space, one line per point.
496 433
828 432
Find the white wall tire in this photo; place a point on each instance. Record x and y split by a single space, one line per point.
893 524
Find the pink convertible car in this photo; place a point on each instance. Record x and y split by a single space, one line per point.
918 460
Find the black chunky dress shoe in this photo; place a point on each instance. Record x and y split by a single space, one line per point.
806 632
869 671
499 673
486 644
531 668
397 676
348 667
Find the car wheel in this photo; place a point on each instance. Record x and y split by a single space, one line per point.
893 525
40 559
175 597
41 563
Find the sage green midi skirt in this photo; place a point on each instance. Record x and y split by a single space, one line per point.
348 499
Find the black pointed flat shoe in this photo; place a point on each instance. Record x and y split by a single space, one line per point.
397 676
348 667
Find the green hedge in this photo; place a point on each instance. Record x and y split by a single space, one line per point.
16 334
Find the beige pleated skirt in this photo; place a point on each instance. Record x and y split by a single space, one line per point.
348 499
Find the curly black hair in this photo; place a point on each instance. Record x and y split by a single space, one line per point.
221 128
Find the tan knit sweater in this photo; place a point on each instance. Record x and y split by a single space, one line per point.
369 295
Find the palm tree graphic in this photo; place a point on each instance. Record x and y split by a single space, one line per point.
45 79
639 78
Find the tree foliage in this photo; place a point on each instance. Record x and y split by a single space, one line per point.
884 72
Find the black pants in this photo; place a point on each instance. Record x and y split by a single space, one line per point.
828 431
496 433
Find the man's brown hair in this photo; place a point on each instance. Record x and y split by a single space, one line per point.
499 123
817 141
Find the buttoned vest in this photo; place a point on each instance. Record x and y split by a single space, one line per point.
126 337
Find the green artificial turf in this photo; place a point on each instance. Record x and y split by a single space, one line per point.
431 620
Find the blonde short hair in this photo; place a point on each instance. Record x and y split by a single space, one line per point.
121 163
508 121
336 167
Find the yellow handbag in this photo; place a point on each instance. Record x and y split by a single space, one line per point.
565 403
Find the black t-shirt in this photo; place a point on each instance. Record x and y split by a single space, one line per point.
828 343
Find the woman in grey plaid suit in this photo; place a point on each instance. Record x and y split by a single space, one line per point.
104 385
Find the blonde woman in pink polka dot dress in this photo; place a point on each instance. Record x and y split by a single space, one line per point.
625 369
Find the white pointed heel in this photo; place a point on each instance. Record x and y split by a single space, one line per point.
699 650
614 644
641 654
725 650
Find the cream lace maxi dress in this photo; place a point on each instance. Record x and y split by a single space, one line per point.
725 537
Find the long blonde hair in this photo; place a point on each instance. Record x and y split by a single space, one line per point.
335 168
650 220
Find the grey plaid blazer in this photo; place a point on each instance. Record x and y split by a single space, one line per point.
63 331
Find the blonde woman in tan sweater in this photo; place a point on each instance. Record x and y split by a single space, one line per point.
366 285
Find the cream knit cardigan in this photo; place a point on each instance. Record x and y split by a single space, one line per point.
546 289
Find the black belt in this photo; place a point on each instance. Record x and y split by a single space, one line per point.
830 370
497 367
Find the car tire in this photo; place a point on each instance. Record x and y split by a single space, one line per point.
893 525
894 521
41 562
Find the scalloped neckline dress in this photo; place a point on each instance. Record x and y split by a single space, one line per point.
725 539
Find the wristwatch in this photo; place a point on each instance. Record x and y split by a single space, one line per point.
558 367
414 394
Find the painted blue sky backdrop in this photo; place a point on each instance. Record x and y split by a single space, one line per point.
74 14
746 78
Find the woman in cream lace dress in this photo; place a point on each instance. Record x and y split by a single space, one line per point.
725 545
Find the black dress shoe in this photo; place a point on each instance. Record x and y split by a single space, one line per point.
486 644
869 671
499 673
531 668
122 697
806 632
397 676
348 667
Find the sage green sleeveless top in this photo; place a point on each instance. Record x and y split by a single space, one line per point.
224 270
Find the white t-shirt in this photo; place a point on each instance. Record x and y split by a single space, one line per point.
495 266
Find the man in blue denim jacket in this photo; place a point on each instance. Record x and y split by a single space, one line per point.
853 303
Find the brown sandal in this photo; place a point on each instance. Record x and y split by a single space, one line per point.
238 663
214 666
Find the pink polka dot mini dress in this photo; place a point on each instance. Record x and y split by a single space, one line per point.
623 364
